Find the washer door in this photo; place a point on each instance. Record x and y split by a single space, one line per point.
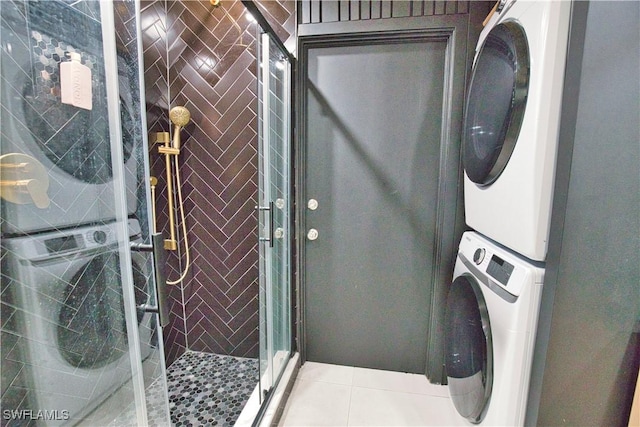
496 102
468 351
91 327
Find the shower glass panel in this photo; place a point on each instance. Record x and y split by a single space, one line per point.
274 211
77 346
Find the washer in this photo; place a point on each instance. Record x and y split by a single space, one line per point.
72 143
511 123
490 327
67 291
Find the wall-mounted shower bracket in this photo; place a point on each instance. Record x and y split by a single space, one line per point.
161 138
170 244
169 151
180 117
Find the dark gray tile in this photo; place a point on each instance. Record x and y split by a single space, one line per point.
208 389
212 70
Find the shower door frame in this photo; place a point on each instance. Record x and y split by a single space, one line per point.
268 210
156 280
109 390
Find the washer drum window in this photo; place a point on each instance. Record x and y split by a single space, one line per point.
468 352
92 331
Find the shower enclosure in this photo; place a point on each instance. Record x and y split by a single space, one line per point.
82 340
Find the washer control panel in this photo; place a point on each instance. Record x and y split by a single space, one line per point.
72 241
505 269
64 243
500 269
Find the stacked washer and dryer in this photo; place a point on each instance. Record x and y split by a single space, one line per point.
510 140
60 263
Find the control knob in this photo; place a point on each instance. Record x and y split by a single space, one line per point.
478 255
99 237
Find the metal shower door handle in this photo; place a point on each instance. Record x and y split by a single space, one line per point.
159 261
270 210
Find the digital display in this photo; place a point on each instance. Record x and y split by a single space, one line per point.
61 244
500 270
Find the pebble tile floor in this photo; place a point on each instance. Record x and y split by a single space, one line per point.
208 389
205 389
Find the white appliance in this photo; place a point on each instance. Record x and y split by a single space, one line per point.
71 143
512 115
67 292
490 327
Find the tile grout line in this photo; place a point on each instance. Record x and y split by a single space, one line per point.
400 391
349 406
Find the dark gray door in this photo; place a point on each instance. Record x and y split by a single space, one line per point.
376 116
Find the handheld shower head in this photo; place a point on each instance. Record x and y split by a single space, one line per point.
179 116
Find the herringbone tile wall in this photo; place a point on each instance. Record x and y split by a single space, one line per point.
205 59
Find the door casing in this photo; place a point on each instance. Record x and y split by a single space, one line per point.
449 221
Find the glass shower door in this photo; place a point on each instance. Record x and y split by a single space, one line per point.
77 332
274 211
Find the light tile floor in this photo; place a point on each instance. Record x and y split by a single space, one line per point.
332 395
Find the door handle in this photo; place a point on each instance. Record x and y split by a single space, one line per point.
269 209
312 234
159 261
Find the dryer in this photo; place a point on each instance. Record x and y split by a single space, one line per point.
511 122
490 326
66 290
72 144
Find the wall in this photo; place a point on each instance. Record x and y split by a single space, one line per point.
205 59
588 346
313 12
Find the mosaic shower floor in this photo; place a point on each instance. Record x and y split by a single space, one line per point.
208 389
204 389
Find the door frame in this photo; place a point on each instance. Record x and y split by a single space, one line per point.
454 29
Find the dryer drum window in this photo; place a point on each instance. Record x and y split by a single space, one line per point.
91 324
496 102
468 352
76 140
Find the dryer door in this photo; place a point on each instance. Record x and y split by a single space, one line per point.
468 350
496 102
